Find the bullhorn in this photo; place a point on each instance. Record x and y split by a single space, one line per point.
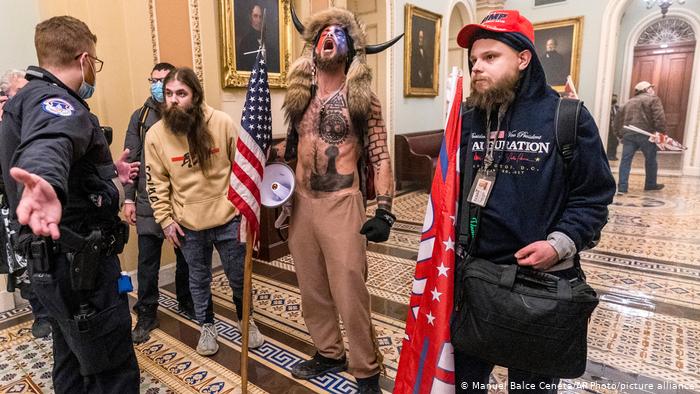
277 185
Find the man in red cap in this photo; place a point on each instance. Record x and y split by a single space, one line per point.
529 206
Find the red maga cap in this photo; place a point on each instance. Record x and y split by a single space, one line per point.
499 21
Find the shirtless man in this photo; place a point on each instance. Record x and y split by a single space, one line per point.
335 126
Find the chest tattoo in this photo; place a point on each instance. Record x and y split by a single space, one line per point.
330 181
333 125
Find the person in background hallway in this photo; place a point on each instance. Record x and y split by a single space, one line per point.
61 173
189 155
613 139
137 211
645 111
10 83
540 217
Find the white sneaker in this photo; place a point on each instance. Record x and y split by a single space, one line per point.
255 338
207 340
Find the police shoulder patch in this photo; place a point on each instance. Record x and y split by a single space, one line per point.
57 106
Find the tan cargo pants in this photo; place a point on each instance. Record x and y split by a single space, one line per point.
331 265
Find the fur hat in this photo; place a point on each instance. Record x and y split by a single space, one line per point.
358 75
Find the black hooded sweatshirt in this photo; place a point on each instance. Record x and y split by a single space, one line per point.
533 196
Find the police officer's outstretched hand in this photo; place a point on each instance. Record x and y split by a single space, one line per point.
173 233
127 171
39 206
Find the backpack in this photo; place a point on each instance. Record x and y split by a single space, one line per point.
566 129
565 133
143 115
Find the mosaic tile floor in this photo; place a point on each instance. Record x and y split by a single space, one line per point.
167 366
643 338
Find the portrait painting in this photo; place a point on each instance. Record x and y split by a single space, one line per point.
558 45
421 52
242 36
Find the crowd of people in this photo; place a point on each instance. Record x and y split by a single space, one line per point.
65 192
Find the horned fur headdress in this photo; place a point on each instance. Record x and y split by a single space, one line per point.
358 74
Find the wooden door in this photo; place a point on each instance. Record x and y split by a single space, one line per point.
373 13
670 70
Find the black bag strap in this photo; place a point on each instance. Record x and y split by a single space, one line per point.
463 233
143 115
566 128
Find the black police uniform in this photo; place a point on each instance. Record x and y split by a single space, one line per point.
48 130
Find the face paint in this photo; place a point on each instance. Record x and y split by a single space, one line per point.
338 37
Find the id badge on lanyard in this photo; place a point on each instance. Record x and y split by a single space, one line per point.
482 186
486 176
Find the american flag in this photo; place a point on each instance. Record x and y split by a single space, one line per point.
426 364
251 150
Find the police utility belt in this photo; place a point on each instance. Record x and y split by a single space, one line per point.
84 253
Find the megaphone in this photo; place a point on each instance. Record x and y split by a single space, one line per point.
277 185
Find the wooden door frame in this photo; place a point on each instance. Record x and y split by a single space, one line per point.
662 79
691 132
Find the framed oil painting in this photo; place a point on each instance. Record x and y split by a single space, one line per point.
241 23
421 52
558 45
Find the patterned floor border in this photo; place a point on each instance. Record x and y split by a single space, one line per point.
166 365
272 353
175 364
16 312
641 265
278 305
643 345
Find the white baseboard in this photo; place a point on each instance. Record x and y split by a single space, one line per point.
7 301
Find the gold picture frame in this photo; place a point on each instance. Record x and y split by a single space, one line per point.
565 58
421 52
236 28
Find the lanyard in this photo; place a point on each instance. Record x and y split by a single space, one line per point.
492 137
470 215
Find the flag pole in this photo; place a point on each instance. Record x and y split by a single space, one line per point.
247 278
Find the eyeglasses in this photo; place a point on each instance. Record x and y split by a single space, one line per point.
152 80
98 63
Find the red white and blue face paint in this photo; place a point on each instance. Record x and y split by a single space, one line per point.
332 41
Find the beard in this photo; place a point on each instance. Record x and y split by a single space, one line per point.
331 63
182 122
502 92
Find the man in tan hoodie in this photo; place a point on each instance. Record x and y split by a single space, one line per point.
188 165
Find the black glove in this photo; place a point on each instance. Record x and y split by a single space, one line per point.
377 229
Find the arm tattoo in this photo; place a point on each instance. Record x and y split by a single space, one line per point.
379 156
384 202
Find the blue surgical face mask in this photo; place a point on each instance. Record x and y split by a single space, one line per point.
86 90
157 91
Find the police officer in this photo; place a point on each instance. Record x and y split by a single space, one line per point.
65 190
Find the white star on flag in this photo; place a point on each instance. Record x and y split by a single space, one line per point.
449 244
443 270
431 318
436 294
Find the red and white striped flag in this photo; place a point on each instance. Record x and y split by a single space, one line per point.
426 364
251 151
